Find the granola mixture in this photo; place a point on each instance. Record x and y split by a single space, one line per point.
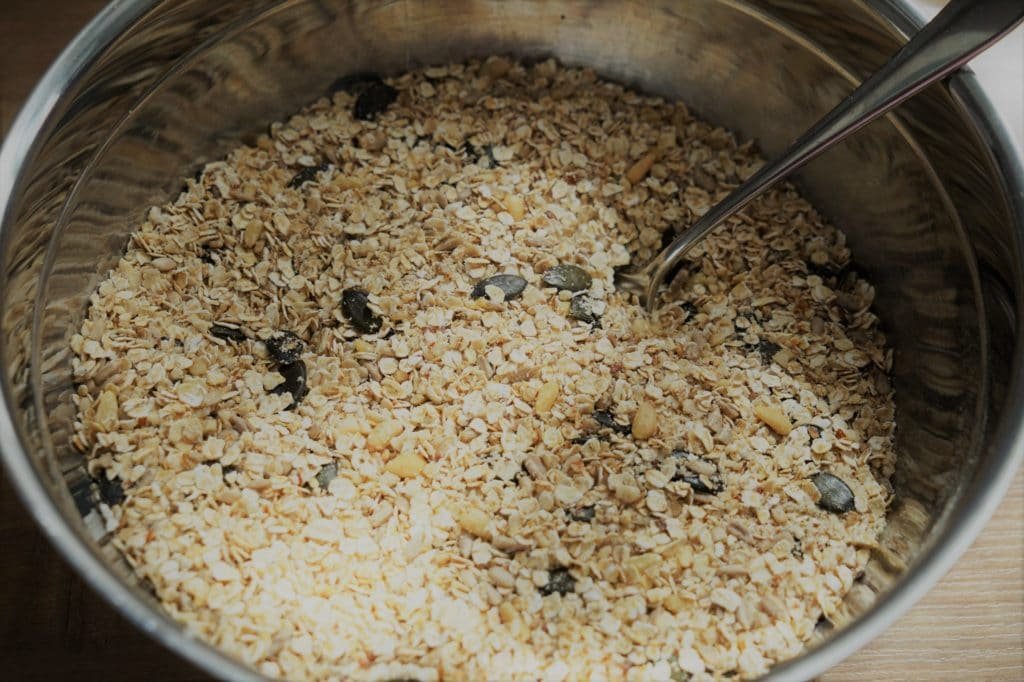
366 403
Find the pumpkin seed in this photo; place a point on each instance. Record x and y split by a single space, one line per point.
285 347
607 420
836 496
327 473
227 333
581 308
560 581
374 99
567 277
512 285
307 175
584 514
700 474
111 490
355 306
294 382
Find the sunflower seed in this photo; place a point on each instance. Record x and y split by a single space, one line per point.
307 175
227 333
700 474
836 496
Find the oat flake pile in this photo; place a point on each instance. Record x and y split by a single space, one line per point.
365 403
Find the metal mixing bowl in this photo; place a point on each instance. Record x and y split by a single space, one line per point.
932 201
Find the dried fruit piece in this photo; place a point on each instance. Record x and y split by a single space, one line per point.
645 421
560 581
406 465
567 277
374 99
546 397
307 175
355 306
285 347
111 489
774 417
355 82
836 496
228 333
512 285
582 309
700 474
294 382
607 420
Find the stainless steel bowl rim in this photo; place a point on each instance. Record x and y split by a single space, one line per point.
20 146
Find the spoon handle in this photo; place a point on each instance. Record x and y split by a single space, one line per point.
960 31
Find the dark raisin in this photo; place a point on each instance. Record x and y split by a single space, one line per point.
481 156
374 99
307 175
668 236
355 306
691 470
354 82
836 496
285 347
227 333
585 438
206 255
607 420
111 489
294 382
585 514
512 285
327 473
689 308
560 581
766 349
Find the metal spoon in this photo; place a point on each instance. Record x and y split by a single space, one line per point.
956 34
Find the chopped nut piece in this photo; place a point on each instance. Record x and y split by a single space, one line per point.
406 465
774 417
546 398
475 522
645 421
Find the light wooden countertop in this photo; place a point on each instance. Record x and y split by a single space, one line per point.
969 627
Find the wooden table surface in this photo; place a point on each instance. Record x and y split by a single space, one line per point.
969 627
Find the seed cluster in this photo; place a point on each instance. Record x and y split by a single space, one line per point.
366 404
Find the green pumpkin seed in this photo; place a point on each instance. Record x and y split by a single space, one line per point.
560 581
836 496
512 285
567 277
327 474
